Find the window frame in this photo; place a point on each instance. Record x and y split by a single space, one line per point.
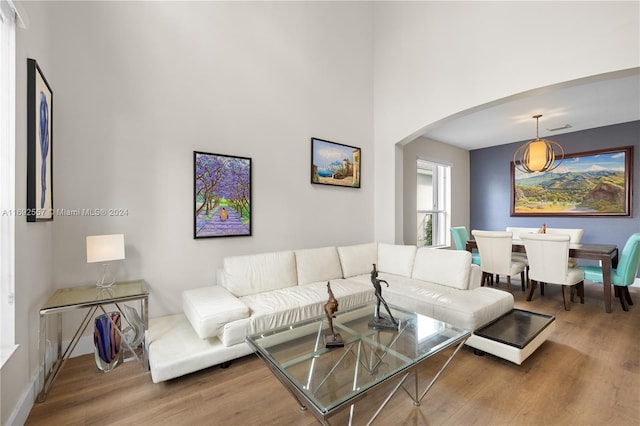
441 203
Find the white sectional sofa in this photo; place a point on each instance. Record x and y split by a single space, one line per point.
259 292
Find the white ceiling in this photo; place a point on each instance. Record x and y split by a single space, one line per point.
583 104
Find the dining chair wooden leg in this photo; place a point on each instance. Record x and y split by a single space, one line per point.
532 288
541 289
487 279
509 283
565 298
522 278
581 292
619 292
625 290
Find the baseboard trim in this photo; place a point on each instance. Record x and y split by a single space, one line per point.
25 403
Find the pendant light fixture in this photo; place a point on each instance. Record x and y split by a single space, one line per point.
540 155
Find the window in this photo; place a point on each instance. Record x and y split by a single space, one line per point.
433 202
7 179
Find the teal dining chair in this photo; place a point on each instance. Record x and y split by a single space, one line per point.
460 238
622 276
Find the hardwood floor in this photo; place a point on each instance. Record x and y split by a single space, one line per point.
587 373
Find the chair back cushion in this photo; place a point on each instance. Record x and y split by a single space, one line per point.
495 251
460 237
517 231
575 234
548 257
625 273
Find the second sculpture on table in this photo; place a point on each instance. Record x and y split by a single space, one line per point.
378 320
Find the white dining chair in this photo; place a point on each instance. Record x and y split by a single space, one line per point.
496 246
518 256
548 256
575 236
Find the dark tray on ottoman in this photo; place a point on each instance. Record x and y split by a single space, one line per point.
514 336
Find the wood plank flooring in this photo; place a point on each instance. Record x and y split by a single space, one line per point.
587 373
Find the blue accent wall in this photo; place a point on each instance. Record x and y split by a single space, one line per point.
491 186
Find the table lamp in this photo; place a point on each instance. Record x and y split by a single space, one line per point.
105 248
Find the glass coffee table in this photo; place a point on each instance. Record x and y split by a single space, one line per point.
328 380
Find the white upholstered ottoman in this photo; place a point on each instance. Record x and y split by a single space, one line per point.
514 336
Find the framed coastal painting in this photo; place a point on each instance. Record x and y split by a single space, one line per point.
335 164
39 145
221 195
593 183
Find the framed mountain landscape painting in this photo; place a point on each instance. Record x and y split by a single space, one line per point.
221 195
594 183
335 164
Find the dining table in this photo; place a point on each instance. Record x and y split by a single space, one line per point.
607 254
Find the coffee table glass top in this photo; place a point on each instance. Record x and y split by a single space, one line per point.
331 378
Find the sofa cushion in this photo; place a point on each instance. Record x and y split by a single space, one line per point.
288 305
472 309
244 275
358 259
396 259
444 267
320 264
210 308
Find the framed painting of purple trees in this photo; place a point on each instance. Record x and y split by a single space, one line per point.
221 195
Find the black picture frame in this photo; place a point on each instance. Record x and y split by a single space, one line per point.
335 164
222 193
587 184
39 145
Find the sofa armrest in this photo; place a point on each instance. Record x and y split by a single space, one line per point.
208 309
475 277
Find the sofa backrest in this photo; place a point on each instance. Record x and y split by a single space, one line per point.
445 267
396 259
245 275
318 264
358 259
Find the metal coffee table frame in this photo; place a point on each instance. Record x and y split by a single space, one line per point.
368 352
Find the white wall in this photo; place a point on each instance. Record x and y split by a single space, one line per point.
438 152
138 86
434 59
34 241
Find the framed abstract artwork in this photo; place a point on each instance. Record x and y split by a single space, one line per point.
593 183
335 164
221 195
39 145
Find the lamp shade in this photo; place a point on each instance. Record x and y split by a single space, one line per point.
104 248
540 155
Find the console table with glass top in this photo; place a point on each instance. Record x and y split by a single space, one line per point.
330 380
91 298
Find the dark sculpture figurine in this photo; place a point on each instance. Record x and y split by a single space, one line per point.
378 320
334 339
